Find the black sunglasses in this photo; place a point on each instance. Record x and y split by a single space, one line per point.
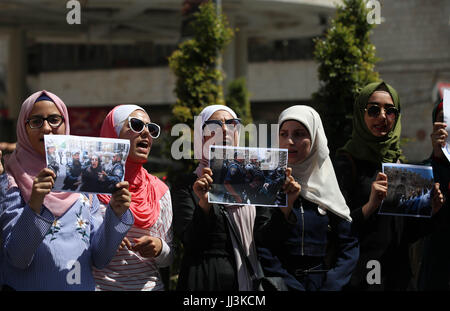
233 122
53 120
137 126
375 110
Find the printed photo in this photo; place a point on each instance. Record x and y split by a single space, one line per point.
409 190
86 164
248 175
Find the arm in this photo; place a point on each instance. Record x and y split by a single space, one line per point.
347 254
191 223
165 257
23 230
107 233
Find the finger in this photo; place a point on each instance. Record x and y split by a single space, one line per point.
288 172
207 171
381 176
122 185
46 172
208 179
438 125
127 243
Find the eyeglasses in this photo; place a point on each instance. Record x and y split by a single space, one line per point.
137 126
53 120
234 122
375 110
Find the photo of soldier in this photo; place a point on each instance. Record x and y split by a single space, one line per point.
73 172
90 164
251 176
412 190
91 175
114 175
234 181
52 159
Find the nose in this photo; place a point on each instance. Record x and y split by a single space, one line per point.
46 128
382 113
290 140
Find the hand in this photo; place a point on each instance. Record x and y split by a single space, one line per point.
120 199
125 243
148 246
292 189
42 185
1 165
438 138
437 200
202 186
377 194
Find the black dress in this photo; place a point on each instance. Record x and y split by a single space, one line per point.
208 262
384 238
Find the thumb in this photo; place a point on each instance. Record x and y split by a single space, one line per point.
288 172
381 176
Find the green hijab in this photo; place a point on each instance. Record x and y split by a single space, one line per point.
363 144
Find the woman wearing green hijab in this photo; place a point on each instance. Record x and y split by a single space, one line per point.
385 239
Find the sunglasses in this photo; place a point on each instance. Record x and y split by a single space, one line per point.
234 122
138 126
53 120
375 110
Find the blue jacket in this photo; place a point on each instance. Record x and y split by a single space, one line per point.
312 241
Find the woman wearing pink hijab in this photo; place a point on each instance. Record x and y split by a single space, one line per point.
148 244
51 240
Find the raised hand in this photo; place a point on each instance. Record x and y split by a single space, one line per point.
439 138
120 199
202 186
292 189
42 185
377 194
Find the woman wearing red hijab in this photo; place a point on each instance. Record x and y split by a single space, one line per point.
148 244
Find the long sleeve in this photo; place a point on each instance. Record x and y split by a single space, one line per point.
22 229
347 248
107 233
346 176
165 233
191 224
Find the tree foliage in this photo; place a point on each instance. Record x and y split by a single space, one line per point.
346 64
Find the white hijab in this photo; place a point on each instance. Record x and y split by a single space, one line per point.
244 215
316 173
121 115
206 113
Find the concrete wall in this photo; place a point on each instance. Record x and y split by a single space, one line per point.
272 81
413 43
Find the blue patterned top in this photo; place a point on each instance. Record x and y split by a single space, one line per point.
41 252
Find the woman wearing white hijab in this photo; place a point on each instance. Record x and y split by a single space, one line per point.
292 241
211 258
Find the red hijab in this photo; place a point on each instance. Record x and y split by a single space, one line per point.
146 189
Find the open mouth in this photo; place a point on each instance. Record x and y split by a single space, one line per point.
143 144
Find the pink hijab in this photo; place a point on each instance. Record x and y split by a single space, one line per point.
24 164
146 189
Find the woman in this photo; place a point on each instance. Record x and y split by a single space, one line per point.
90 175
52 239
292 240
148 244
384 239
435 267
211 258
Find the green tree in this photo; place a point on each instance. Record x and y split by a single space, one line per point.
195 65
238 99
346 64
